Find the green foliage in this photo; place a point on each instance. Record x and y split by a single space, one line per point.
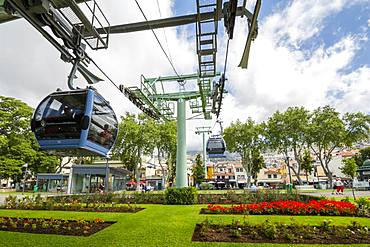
326 131
205 186
245 139
350 167
17 143
364 155
166 144
363 203
257 163
181 196
287 131
135 138
357 126
269 229
141 135
198 170
307 163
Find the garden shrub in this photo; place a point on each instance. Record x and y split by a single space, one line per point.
205 186
181 196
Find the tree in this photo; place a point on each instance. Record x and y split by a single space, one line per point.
257 163
244 138
165 142
135 138
286 132
327 132
357 126
17 143
350 170
364 155
307 163
198 170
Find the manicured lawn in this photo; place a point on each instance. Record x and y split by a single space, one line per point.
157 225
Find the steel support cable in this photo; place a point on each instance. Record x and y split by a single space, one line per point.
227 54
164 32
159 42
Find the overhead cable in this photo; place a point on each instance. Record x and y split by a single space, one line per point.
164 32
159 42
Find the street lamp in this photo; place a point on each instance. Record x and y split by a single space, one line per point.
290 176
24 176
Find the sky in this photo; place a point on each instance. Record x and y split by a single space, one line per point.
307 53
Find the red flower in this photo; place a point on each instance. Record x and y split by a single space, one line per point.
323 207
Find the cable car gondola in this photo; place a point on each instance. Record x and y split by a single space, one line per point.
78 122
216 147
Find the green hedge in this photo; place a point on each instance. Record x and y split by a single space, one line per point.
181 196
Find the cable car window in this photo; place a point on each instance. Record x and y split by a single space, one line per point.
59 117
217 144
103 125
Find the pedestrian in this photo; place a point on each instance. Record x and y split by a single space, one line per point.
101 188
334 186
340 187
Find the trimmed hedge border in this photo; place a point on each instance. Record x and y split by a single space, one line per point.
191 197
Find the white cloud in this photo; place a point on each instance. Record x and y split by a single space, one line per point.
280 72
302 20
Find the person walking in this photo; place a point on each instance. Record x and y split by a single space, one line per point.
340 187
334 186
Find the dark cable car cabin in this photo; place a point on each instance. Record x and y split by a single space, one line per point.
216 147
75 123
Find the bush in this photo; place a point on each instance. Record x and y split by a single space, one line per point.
206 186
181 196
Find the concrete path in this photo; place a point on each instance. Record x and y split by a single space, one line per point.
347 193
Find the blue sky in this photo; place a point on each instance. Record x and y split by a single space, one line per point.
352 19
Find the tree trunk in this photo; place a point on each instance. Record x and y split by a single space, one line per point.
297 157
247 166
163 171
307 177
138 167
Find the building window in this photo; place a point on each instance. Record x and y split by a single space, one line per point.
269 176
241 169
229 170
275 175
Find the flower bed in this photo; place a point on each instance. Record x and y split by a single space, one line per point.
53 226
313 207
38 203
269 232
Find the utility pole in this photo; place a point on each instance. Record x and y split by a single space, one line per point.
290 188
24 177
204 131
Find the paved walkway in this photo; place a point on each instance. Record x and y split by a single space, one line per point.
347 193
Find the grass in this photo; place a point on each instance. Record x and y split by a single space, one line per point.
157 225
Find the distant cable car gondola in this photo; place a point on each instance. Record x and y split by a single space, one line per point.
78 122
216 147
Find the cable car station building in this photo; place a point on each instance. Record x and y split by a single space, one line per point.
92 178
